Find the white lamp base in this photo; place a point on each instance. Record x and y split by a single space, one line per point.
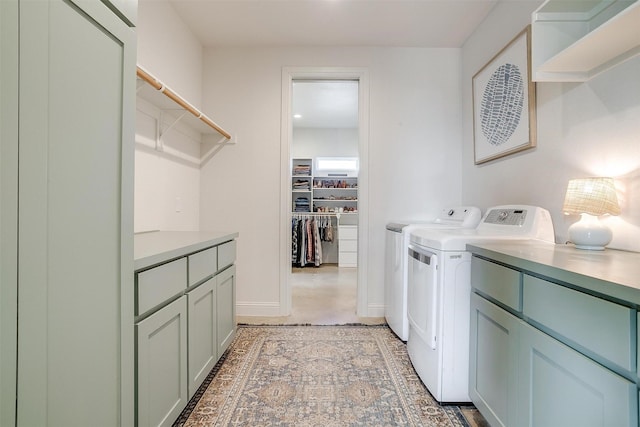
590 234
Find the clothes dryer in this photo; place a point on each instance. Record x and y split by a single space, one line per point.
439 293
396 244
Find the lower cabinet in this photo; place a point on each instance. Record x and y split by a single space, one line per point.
226 309
561 387
493 371
203 346
552 364
162 390
186 320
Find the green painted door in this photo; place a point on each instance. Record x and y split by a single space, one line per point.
203 344
493 361
162 365
226 308
75 236
559 387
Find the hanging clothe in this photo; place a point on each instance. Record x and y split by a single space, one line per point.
307 234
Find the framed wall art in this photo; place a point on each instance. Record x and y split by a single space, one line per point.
504 102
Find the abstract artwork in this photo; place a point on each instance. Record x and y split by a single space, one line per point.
504 100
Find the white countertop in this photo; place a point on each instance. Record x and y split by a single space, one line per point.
610 272
157 247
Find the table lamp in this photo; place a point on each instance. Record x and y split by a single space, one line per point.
590 197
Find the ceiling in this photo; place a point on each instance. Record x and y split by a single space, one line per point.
335 23
390 23
325 104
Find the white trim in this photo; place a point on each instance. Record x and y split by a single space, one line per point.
375 310
325 73
262 309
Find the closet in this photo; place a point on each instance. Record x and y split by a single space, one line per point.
326 203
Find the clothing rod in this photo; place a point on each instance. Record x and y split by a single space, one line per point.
158 85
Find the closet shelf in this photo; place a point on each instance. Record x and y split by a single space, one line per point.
166 99
574 41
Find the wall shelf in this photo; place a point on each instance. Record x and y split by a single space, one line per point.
168 101
574 41
321 193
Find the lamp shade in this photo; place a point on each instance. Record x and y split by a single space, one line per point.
593 196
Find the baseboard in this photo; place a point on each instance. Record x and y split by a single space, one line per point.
262 309
375 310
272 309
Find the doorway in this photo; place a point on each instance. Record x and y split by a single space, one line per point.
335 195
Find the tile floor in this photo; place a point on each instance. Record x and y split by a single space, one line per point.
324 295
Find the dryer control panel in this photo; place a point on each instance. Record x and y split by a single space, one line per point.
515 217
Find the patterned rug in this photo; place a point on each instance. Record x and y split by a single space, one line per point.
316 376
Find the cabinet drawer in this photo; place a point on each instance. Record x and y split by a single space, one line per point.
498 282
226 254
202 265
600 326
158 284
348 245
348 232
348 259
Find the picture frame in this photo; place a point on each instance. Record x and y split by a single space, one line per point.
504 102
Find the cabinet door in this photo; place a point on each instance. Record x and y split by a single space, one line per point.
493 362
203 347
75 261
560 387
226 308
162 365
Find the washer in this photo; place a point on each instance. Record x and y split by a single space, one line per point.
397 242
439 293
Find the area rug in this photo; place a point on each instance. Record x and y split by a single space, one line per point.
316 376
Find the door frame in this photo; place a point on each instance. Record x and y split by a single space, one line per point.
289 74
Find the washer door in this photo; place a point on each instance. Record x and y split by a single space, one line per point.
422 306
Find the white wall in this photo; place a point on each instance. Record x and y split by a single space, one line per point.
414 150
169 50
584 129
167 183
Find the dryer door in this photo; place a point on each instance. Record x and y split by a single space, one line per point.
422 306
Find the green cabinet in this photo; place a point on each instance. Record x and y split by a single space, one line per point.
566 358
203 326
493 374
68 86
560 387
225 308
185 320
162 365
